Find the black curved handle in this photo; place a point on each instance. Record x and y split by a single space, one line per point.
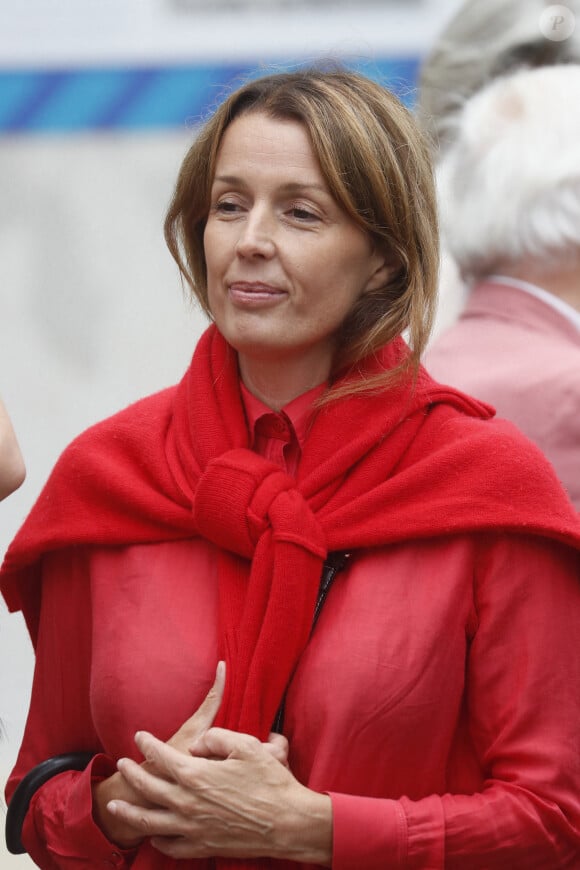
20 801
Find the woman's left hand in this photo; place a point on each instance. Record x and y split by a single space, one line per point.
232 798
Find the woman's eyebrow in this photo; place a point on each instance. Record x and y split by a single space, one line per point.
288 187
295 186
229 179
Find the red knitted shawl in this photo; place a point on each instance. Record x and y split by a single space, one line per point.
408 462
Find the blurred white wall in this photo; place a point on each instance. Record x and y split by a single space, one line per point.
92 314
92 317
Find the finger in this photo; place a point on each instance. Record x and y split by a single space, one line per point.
163 762
223 743
147 787
148 822
278 746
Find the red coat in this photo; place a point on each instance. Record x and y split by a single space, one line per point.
437 697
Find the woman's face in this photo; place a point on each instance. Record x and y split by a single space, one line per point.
285 263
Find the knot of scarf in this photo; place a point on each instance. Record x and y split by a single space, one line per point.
240 496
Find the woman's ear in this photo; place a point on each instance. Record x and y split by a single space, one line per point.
381 269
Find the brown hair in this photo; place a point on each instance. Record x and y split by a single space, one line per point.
376 164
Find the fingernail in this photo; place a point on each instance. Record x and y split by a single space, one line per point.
221 668
112 807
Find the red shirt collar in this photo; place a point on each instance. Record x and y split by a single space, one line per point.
297 414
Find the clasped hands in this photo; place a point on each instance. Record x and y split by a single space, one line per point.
211 792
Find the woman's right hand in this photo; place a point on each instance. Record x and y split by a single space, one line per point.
115 787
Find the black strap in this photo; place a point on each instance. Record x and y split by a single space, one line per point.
334 563
26 788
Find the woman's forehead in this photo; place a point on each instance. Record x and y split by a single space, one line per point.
257 143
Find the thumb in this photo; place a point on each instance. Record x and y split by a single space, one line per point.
205 714
208 709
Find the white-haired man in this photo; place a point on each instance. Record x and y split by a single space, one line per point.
509 187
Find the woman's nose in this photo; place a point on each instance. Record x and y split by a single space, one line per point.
256 237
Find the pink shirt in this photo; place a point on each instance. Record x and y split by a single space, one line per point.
437 701
511 349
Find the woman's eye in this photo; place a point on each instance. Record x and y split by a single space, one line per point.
226 207
303 214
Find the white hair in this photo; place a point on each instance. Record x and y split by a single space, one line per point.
509 185
485 39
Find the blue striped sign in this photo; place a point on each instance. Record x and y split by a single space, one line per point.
145 97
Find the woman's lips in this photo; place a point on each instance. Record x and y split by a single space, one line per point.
255 293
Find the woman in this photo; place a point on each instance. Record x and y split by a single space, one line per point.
423 685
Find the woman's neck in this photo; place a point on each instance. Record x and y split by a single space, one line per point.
278 383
